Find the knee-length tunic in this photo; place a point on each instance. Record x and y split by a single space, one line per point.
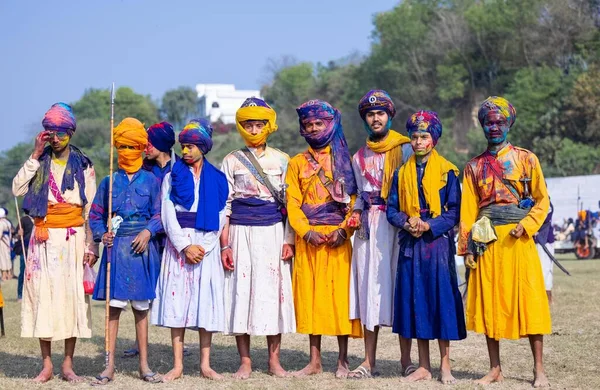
428 304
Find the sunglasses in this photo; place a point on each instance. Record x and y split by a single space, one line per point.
59 134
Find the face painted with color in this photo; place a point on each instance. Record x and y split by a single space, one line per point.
190 153
151 152
254 127
314 125
421 142
378 121
58 140
495 128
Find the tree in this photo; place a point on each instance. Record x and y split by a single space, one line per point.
179 105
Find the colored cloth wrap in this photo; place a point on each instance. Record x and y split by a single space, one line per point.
391 145
60 215
254 212
376 99
254 109
60 117
500 105
198 132
130 132
162 136
425 121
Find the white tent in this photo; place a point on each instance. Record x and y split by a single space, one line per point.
564 192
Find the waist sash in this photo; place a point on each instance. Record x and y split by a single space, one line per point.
59 215
330 213
186 219
254 212
370 199
504 214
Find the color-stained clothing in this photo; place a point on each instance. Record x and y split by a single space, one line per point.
5 244
160 173
375 253
428 304
133 276
189 295
55 306
321 275
506 295
258 292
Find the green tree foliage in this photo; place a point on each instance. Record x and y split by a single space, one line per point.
179 105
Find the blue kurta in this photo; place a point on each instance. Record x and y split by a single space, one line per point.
428 304
133 276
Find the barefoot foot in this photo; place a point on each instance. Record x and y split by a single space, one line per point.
276 370
494 376
446 377
244 371
540 380
342 370
211 374
175 373
70 376
44 376
310 369
420 374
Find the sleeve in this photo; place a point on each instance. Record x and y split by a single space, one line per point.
98 211
451 212
469 208
169 218
359 204
296 216
395 217
20 184
289 235
154 224
344 224
536 216
228 171
90 191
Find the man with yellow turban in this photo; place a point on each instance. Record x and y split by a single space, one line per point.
59 184
504 204
256 244
134 260
375 252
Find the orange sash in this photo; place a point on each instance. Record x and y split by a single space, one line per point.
60 215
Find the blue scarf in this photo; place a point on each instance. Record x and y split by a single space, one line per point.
212 193
36 200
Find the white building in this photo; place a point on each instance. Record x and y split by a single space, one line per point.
221 101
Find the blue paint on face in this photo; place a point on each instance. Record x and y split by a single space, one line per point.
495 128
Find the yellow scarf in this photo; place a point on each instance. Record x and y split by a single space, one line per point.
434 179
255 113
391 145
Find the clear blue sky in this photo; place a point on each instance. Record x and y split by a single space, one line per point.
52 51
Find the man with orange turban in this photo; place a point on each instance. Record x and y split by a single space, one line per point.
59 184
256 244
134 261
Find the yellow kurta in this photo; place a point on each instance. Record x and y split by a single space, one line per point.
506 295
321 275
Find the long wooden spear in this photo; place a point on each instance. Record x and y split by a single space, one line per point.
109 227
21 232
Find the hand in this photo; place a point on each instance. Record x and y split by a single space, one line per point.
40 143
140 242
336 238
108 238
315 238
193 254
518 231
20 232
470 261
90 259
227 259
287 252
423 226
354 220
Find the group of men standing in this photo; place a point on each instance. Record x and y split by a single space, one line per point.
262 247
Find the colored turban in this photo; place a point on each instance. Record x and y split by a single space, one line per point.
162 136
3 212
425 121
130 132
332 135
198 132
255 109
497 104
60 117
376 99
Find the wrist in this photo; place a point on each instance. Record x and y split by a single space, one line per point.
225 247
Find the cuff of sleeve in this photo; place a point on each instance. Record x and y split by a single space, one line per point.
33 163
181 246
434 227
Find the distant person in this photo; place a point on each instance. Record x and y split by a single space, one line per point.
24 233
5 245
504 196
257 245
376 248
59 184
545 237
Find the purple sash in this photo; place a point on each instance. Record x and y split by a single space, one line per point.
330 213
370 199
254 212
186 219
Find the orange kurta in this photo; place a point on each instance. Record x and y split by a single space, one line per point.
321 275
506 294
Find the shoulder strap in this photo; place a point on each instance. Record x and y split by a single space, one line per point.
327 182
246 157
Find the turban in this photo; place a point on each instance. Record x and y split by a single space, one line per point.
332 135
497 104
60 117
255 109
3 212
425 121
130 132
198 132
376 99
162 136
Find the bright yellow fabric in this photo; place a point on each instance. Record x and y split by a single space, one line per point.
434 179
391 145
2 296
130 132
59 215
256 113
321 276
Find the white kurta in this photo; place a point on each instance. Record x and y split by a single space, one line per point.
258 292
374 261
5 239
188 295
54 304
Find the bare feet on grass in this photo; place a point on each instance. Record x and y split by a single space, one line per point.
342 369
494 376
276 370
44 376
175 373
421 374
540 380
244 371
446 377
310 369
70 376
209 373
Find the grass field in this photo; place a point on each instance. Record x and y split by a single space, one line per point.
570 352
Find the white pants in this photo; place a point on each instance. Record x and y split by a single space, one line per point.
547 264
137 305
